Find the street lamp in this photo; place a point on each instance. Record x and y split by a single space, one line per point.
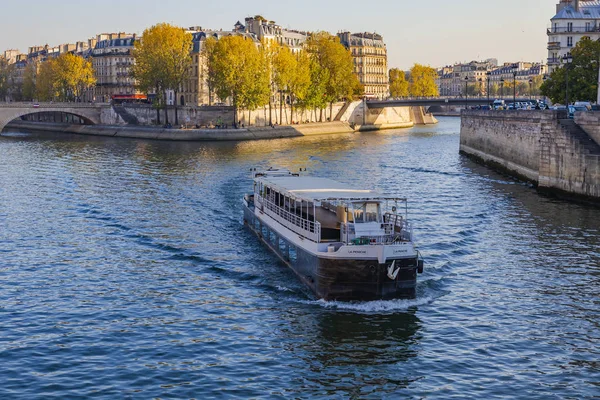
488 75
480 80
515 68
567 60
466 92
531 90
545 78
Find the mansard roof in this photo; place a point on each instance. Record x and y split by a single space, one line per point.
587 10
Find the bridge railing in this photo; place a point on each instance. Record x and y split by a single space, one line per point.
50 105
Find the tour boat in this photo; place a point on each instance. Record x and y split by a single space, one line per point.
345 244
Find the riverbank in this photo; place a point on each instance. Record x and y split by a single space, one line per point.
251 133
546 148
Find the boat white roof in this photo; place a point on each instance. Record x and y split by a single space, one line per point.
315 189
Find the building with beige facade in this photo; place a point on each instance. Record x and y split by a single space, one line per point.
268 31
112 59
453 80
195 90
369 55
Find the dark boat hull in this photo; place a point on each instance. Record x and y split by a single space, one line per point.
340 279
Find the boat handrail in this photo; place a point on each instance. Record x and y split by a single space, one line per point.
295 223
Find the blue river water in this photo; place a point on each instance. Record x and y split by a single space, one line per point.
126 273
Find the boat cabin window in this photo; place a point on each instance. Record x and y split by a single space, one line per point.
366 212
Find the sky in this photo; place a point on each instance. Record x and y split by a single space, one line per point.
431 32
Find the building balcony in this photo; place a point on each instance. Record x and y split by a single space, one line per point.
554 46
554 61
574 29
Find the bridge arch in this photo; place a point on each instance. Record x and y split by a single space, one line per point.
90 114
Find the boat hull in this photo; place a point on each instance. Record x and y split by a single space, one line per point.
335 279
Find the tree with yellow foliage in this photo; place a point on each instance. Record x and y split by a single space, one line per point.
64 78
422 81
337 61
291 74
239 71
398 83
162 59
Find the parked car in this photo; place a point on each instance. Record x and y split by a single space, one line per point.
499 104
574 109
585 104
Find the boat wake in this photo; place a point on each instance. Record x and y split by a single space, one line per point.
373 306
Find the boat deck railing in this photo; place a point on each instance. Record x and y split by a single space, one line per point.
396 231
309 229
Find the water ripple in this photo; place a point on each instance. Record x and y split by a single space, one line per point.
125 272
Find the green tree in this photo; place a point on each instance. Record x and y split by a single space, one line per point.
583 75
473 89
398 83
162 59
537 84
5 75
422 81
29 79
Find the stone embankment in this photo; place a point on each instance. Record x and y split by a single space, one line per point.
133 121
141 132
546 148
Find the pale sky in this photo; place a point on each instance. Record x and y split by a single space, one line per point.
433 32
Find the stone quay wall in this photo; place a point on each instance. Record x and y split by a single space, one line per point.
132 114
542 147
354 113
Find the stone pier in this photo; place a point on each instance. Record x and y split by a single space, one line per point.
557 154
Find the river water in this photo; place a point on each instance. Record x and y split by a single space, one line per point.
126 272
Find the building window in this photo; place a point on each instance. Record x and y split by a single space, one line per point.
570 41
570 27
588 26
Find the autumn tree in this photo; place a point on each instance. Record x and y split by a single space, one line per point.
64 78
422 81
398 83
44 86
494 89
316 94
74 75
291 73
583 75
162 59
334 58
237 70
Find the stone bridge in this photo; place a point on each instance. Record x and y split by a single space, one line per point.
90 113
439 101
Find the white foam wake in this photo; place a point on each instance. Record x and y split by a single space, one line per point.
373 306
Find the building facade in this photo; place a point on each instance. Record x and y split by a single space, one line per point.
369 55
112 59
453 80
574 19
268 31
195 90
